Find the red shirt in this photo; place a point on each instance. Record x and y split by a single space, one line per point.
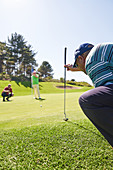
6 88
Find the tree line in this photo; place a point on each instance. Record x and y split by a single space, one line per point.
17 58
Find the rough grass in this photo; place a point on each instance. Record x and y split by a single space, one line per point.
66 145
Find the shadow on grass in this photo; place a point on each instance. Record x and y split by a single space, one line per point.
26 84
41 99
17 82
40 86
82 127
7 101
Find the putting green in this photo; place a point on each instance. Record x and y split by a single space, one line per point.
25 111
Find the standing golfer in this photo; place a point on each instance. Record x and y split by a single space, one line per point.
35 84
97 104
7 92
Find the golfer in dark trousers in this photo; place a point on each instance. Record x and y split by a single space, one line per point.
7 92
97 104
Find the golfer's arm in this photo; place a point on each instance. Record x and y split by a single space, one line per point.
6 91
71 68
74 69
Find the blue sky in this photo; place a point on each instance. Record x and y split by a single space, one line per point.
51 25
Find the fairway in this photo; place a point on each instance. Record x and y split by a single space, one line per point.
24 111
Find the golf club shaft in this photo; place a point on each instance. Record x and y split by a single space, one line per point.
65 52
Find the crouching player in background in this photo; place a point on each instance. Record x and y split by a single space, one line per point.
7 92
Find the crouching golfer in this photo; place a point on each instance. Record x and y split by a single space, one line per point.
7 92
97 104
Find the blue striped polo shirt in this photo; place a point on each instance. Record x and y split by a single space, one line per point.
99 64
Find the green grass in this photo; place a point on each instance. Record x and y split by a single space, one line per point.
64 145
35 137
23 88
25 111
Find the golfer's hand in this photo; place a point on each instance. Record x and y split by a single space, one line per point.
71 68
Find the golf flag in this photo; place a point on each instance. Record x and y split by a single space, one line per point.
31 78
32 70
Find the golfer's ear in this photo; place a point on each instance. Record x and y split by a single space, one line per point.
79 57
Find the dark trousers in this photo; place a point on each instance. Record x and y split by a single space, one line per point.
4 94
97 104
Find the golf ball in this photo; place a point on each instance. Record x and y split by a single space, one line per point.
40 105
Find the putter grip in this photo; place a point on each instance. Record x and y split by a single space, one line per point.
65 52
